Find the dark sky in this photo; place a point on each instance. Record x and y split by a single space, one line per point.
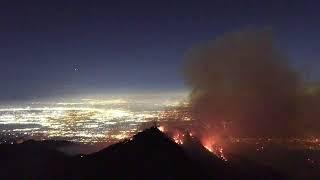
60 48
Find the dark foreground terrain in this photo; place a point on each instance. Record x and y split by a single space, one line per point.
147 155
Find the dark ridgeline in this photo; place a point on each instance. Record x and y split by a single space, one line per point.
31 160
240 169
147 155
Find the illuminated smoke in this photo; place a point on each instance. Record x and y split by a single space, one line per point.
242 85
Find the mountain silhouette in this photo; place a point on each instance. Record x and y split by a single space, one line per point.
149 154
234 168
31 160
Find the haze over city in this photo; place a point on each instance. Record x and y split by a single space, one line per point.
232 80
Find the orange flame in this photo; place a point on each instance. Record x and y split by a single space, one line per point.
178 137
161 128
211 145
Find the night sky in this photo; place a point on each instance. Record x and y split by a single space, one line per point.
61 48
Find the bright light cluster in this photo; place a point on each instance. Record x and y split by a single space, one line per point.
178 137
87 120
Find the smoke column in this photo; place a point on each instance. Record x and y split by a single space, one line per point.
243 85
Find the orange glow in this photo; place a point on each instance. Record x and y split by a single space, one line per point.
211 145
190 134
178 138
210 142
209 149
161 128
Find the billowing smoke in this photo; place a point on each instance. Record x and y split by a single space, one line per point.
243 85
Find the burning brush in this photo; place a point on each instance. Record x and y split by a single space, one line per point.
180 137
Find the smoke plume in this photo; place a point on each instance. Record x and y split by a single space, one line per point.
243 85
